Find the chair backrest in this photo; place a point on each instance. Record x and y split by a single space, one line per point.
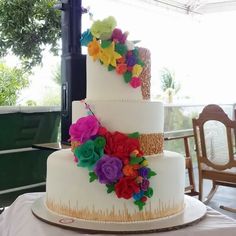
214 134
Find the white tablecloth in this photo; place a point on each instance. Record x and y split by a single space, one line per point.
18 220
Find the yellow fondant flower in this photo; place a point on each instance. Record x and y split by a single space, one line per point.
109 55
137 70
145 163
104 57
94 49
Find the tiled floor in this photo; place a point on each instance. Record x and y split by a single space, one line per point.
225 196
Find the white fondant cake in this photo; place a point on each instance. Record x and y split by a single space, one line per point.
70 193
117 163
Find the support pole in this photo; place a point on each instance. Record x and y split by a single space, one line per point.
73 63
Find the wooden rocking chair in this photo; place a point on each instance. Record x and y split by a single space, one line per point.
214 134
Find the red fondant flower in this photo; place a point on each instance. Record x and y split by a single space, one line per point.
126 187
120 145
102 131
121 69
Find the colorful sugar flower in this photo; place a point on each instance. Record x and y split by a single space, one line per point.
118 36
135 82
114 159
94 49
111 47
120 145
103 29
126 188
86 38
85 128
87 157
108 169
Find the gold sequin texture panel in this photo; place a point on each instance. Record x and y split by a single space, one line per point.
145 76
151 143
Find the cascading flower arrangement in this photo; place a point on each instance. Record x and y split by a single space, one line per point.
110 46
112 158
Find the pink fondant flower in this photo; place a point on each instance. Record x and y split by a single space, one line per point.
135 82
84 128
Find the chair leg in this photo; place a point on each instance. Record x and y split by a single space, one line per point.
228 209
211 193
200 188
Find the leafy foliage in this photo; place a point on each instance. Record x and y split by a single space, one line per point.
27 27
12 81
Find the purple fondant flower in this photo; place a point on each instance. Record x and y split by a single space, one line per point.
84 128
145 184
143 172
108 169
131 60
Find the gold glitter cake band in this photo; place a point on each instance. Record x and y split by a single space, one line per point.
145 76
151 143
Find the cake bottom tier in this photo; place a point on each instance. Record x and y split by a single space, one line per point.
68 191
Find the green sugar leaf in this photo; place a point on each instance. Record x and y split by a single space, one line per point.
105 43
135 51
140 62
110 68
140 204
135 160
134 135
151 173
92 176
110 188
149 192
127 76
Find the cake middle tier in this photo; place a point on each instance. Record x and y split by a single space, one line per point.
127 117
124 116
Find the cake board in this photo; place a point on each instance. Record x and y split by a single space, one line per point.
193 212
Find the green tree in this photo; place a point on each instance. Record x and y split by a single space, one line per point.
12 81
57 74
27 27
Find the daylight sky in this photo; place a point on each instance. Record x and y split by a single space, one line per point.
199 49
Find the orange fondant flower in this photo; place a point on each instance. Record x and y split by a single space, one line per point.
121 69
121 60
131 170
94 49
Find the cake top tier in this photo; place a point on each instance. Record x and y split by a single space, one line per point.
116 68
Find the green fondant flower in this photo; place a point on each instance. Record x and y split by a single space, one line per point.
99 144
121 48
103 29
86 154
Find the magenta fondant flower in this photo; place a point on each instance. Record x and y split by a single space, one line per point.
135 82
84 128
144 185
108 169
118 36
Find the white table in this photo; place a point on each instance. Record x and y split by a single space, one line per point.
18 220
